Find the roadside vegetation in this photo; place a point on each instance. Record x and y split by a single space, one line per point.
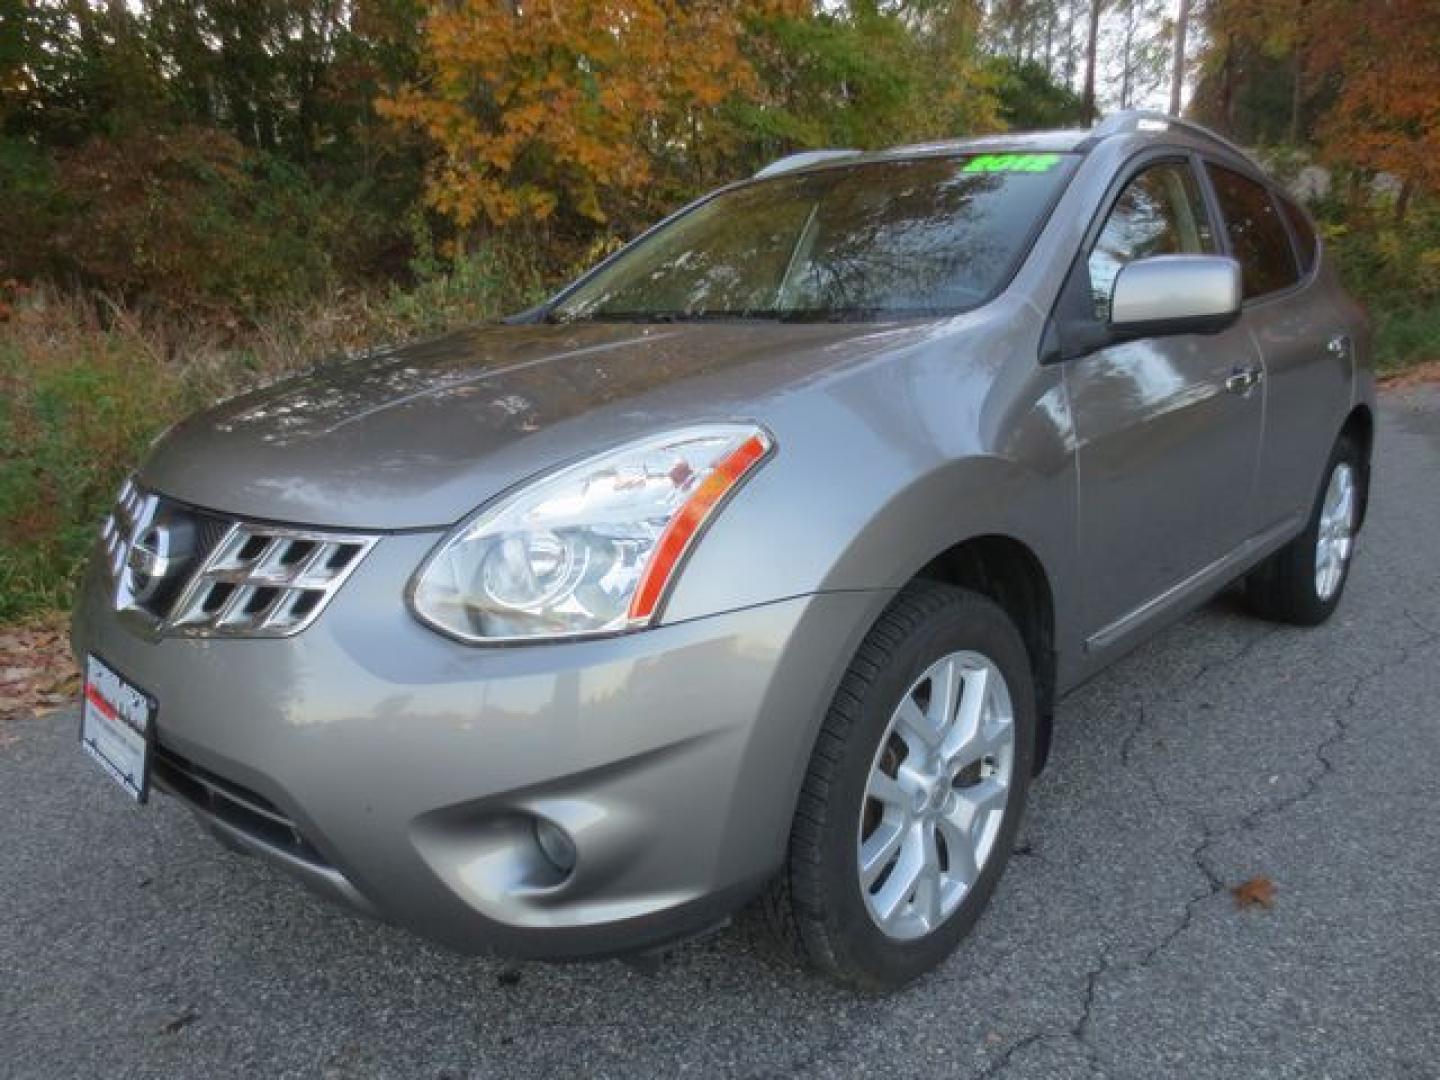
201 196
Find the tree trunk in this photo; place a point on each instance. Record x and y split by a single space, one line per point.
1087 97
1127 65
1295 98
1402 201
1069 48
1297 73
1229 75
1177 70
1050 42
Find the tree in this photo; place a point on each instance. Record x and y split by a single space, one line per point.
1030 98
547 108
1137 45
1255 56
1386 115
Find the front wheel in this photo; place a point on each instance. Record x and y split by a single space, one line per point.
914 792
1303 581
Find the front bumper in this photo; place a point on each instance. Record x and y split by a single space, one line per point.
412 769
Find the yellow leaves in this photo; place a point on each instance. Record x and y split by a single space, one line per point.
545 105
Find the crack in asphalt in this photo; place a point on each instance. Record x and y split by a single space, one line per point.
1001 1063
1209 837
1238 655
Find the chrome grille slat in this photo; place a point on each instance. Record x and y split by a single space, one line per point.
239 597
236 563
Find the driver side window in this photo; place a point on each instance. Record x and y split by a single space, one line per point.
1160 212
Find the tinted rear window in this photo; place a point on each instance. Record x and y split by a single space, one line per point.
928 235
1258 237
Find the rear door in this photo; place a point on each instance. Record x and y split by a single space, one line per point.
1167 438
1306 342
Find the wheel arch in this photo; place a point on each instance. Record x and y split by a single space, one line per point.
1359 427
1010 573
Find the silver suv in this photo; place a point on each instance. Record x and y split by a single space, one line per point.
753 563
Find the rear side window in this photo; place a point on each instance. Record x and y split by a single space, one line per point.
1159 212
1258 237
1305 244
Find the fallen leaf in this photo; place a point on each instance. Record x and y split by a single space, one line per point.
1257 892
1415 376
36 670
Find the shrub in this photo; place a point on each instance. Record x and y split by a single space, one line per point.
1390 265
193 220
86 384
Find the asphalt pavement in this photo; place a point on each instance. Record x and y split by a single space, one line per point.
1226 749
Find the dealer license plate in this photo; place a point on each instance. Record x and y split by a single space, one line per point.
117 727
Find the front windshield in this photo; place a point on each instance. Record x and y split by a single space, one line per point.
918 237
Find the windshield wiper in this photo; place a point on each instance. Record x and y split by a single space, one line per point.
674 316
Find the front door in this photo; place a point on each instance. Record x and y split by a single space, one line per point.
1168 437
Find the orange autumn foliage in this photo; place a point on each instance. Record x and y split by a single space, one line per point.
565 105
1386 57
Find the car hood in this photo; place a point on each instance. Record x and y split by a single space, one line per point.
421 435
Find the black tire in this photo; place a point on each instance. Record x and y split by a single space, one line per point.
816 903
1283 588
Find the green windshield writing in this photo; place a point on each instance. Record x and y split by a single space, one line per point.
1003 163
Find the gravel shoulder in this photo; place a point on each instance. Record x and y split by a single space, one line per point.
131 945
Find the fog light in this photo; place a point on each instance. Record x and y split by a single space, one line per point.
556 845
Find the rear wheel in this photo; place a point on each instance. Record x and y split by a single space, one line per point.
1302 582
914 792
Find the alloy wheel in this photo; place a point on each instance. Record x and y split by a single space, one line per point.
936 795
1335 539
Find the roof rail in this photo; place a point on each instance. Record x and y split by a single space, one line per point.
1150 120
802 160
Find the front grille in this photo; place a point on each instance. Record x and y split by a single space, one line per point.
236 806
188 572
262 581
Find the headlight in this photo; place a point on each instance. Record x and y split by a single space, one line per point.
590 549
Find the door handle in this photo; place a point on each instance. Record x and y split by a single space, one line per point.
1243 379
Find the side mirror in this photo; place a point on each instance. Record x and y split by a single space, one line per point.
1175 294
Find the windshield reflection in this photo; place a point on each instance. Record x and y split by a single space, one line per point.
917 237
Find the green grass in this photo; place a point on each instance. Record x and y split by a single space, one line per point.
85 388
1405 338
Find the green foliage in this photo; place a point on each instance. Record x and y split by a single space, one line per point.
66 425
1029 97
1394 270
85 386
1405 337
866 75
837 81
491 281
184 219
32 210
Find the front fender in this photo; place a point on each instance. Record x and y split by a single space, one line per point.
877 475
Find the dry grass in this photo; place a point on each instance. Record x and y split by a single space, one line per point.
1413 376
